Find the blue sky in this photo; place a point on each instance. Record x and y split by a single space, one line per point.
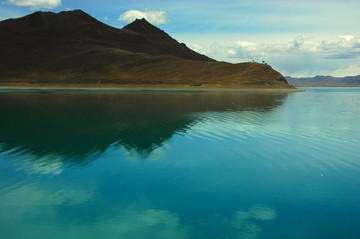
297 38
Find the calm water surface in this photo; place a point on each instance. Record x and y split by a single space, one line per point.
180 165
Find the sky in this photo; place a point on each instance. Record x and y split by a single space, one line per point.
297 38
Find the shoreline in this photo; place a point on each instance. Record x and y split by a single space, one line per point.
162 87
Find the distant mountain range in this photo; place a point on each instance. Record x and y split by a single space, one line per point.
324 81
74 48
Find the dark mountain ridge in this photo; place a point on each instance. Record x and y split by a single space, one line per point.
78 27
74 48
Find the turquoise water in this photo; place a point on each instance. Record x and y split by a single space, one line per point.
180 165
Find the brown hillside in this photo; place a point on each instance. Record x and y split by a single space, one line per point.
74 48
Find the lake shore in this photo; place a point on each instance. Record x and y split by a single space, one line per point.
144 87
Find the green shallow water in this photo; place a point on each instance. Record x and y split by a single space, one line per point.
180 164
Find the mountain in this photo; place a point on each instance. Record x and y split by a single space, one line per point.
47 29
324 81
51 122
74 48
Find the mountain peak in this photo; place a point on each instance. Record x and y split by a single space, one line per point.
77 27
56 24
144 27
142 20
75 14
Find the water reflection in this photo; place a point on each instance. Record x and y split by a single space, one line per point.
75 211
217 166
45 209
72 212
66 126
246 222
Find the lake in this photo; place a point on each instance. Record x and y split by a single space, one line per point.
239 165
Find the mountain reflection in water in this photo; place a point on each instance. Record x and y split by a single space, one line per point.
180 165
75 124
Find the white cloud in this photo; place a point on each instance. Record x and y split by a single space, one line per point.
346 37
231 52
154 17
36 4
302 56
301 44
351 70
343 47
245 44
199 48
245 49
